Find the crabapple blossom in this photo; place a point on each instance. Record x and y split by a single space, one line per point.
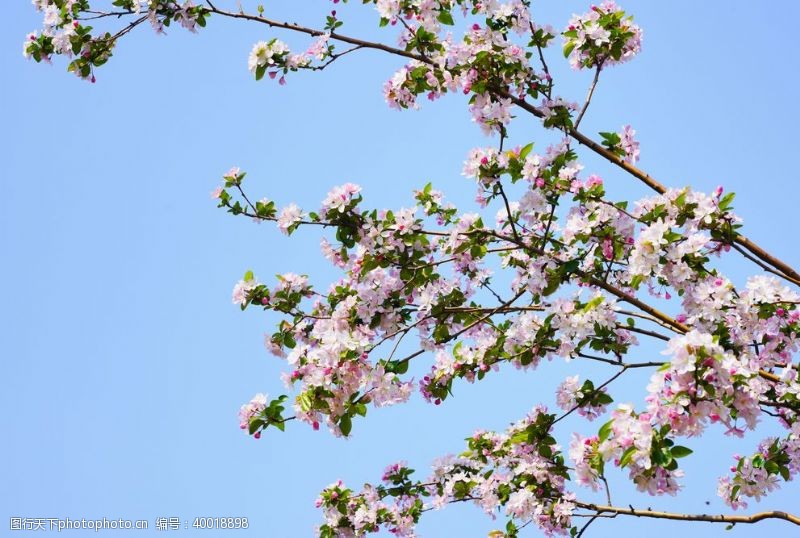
266 54
289 217
256 405
629 145
547 267
603 35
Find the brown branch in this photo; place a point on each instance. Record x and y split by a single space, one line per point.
315 33
786 270
763 265
711 518
622 296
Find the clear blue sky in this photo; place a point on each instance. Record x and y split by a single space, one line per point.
123 361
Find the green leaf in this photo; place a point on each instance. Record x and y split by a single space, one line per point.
346 425
626 457
445 17
401 367
254 425
593 303
784 471
726 201
305 401
519 437
605 431
636 281
361 409
680 451
260 70
525 151
603 399
553 282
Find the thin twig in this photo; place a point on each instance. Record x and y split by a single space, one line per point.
589 94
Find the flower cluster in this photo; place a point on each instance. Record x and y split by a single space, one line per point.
251 409
602 36
273 56
394 283
520 471
631 440
755 476
63 34
629 145
590 402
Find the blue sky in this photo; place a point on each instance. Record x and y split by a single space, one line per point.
123 361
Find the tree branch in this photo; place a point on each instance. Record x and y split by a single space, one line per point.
755 518
786 271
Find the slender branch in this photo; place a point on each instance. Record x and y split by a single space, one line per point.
333 58
625 365
589 94
104 14
646 317
755 518
763 265
645 332
508 210
313 32
586 526
595 391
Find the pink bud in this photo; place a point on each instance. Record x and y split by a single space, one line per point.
257 435
608 249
